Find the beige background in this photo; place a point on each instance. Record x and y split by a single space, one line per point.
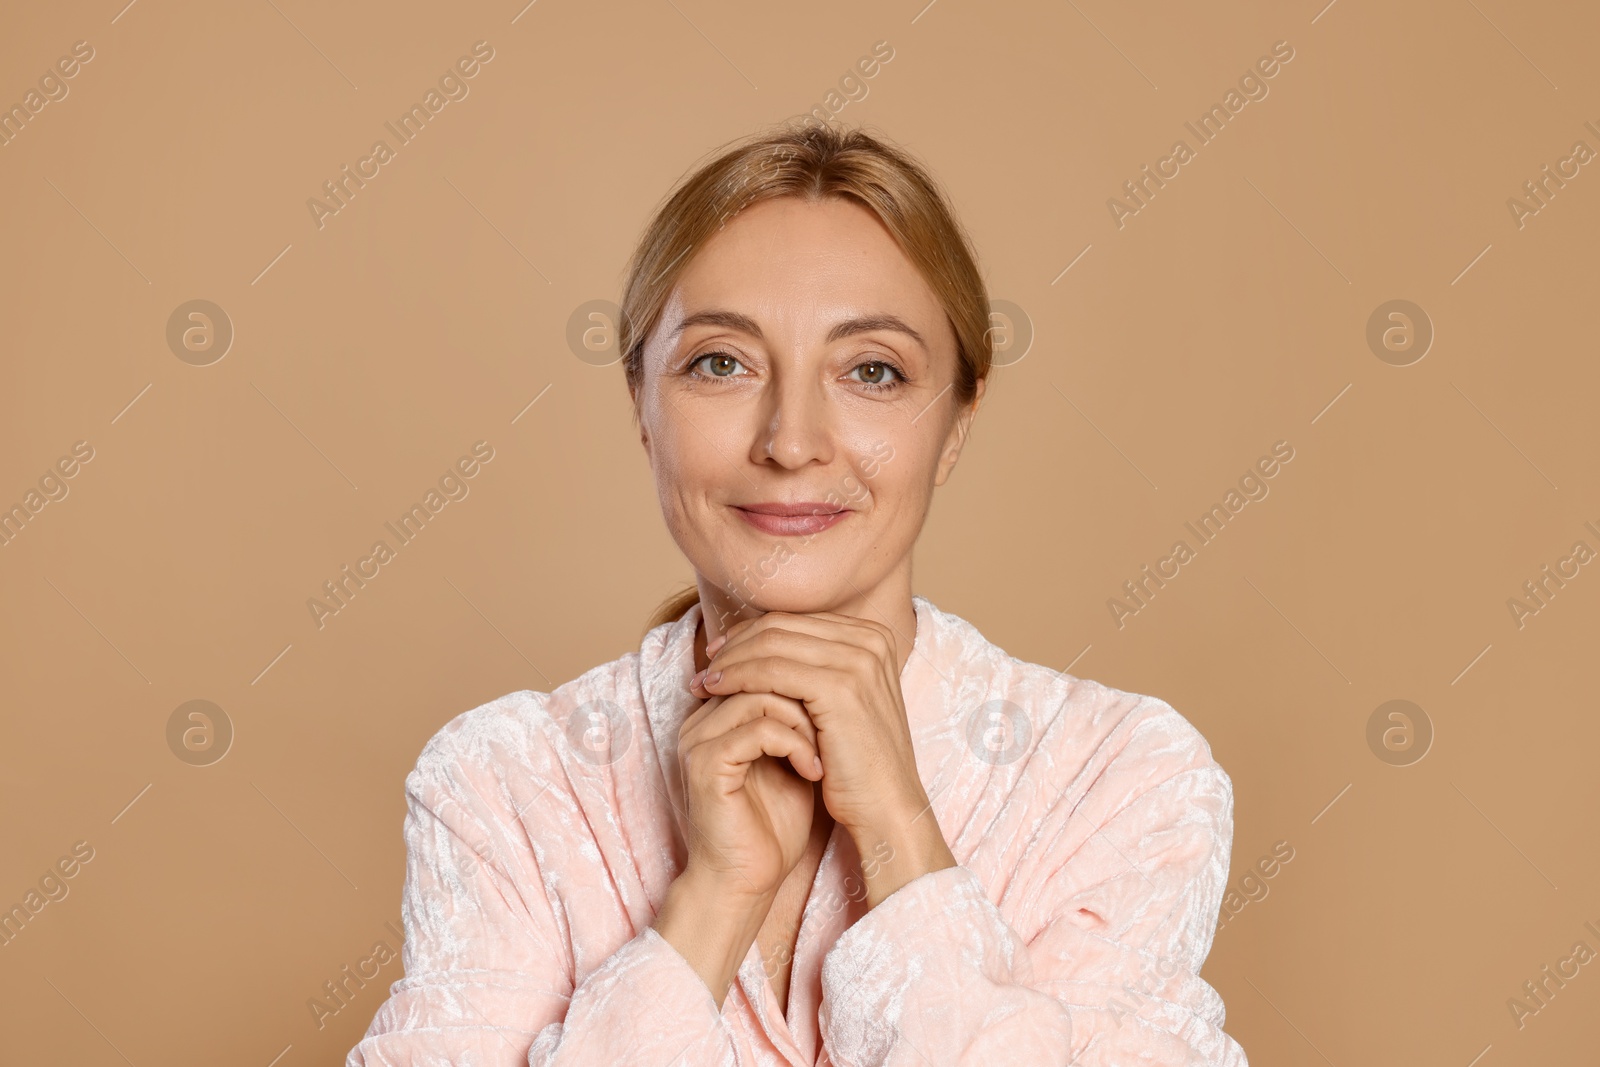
1230 313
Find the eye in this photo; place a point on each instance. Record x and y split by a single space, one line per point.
877 370
720 360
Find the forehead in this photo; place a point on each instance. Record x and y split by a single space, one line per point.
803 263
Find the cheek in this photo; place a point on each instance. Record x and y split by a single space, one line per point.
692 466
891 480
897 505
891 461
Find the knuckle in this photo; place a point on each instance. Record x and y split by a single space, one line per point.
863 663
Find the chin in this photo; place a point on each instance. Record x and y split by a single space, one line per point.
789 593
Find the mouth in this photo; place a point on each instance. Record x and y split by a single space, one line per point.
788 520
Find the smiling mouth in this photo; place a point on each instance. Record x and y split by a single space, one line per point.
788 520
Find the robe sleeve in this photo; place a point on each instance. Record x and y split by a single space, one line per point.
488 967
1124 913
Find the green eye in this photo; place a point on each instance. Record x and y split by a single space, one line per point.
882 367
719 365
725 357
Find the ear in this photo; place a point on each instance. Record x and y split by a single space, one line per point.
644 434
958 434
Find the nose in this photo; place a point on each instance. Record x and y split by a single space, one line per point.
798 425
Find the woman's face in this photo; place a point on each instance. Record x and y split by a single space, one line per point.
801 364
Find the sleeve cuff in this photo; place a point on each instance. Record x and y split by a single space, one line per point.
675 996
644 1004
934 911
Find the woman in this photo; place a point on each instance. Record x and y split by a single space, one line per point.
814 819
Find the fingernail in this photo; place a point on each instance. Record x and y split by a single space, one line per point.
713 678
695 681
716 643
816 761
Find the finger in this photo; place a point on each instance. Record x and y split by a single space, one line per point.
804 648
815 622
778 674
736 709
846 629
697 716
735 750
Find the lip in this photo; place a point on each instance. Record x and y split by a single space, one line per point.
789 520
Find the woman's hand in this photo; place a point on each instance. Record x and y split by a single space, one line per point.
749 813
845 672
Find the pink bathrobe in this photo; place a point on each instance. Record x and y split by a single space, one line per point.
1091 828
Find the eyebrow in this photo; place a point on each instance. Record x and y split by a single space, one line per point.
734 320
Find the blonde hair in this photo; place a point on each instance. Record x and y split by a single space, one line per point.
813 162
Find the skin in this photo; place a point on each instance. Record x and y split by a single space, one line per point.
807 634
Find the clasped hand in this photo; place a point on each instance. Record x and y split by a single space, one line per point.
845 676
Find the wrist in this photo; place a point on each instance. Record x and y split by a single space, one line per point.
732 892
712 926
898 852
